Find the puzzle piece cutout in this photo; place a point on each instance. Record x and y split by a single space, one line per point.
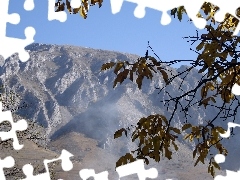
219 158
20 125
192 9
7 162
11 45
87 173
66 163
28 5
137 167
52 15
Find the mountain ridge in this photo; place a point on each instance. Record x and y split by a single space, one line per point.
68 92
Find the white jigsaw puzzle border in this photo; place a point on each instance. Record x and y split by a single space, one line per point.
191 8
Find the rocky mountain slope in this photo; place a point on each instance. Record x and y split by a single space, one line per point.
67 93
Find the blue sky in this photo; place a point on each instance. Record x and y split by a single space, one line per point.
103 30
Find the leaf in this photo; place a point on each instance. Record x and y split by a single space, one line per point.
165 76
82 12
145 150
175 130
118 133
156 156
107 66
221 130
200 46
131 75
179 12
186 126
175 146
173 12
139 81
216 165
212 171
191 137
194 153
203 69
120 77
168 154
134 136
187 136
201 159
118 67
198 159
120 162
212 98
146 161
205 102
204 92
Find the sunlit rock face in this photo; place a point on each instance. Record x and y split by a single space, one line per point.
66 91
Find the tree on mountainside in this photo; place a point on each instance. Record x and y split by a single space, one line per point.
218 58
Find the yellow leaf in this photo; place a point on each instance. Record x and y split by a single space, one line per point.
221 130
187 136
191 137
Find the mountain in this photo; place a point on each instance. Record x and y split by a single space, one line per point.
66 92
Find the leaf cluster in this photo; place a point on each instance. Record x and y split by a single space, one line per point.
154 136
82 9
141 68
209 137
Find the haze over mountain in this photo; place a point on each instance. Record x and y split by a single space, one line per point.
67 92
